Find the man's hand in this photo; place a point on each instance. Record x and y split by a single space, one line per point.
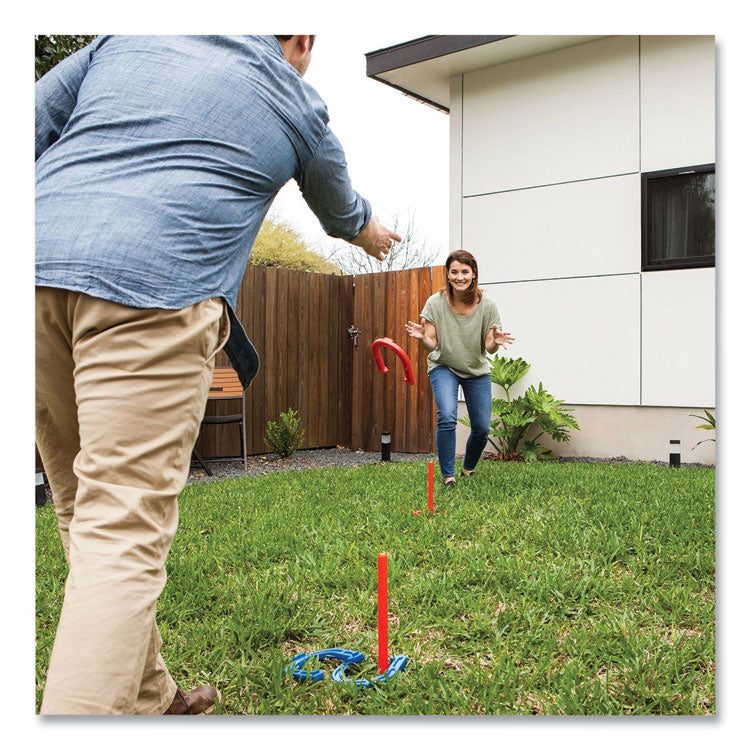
375 239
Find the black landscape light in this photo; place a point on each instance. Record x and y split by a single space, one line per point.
674 454
385 446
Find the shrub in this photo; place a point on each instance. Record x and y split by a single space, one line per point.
284 436
279 245
710 424
513 419
50 50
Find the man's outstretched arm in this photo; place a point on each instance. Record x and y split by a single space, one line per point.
342 212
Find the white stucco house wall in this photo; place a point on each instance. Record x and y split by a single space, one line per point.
581 177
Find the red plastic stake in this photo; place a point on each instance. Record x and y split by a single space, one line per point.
430 486
382 612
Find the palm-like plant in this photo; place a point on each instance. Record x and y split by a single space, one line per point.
710 424
508 424
507 372
513 419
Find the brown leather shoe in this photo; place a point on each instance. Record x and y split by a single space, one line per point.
198 701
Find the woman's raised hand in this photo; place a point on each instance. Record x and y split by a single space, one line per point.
415 330
500 337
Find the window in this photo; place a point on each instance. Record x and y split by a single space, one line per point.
678 218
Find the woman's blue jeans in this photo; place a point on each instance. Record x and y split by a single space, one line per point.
478 394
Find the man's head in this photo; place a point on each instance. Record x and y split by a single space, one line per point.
297 49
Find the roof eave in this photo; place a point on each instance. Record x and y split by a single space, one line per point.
421 68
412 95
421 49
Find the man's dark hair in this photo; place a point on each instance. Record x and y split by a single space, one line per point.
287 37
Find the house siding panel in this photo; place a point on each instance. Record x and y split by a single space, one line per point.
677 101
679 335
578 229
566 115
580 336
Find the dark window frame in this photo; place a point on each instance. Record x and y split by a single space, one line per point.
667 264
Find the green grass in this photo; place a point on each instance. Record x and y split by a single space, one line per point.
566 588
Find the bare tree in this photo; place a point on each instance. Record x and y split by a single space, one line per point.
412 252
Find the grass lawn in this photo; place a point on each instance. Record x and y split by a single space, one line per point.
566 588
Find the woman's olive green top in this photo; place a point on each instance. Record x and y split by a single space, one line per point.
460 337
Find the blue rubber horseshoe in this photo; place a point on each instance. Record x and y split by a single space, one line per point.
396 664
343 655
302 674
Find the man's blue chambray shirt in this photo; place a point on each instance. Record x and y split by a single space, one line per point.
157 158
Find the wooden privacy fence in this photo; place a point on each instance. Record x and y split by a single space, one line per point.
299 324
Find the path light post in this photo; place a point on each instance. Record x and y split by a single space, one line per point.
385 446
674 454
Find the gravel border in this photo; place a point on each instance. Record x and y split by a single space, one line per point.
268 463
317 458
624 460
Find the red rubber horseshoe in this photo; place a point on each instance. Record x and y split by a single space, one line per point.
375 348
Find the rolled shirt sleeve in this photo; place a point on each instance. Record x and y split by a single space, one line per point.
428 311
491 316
56 95
327 190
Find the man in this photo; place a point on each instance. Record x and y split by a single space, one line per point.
157 159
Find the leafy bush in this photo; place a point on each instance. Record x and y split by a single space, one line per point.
280 245
50 50
710 421
284 436
513 419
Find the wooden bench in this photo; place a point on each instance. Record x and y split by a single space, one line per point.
226 385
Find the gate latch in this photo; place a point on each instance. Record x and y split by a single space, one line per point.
354 333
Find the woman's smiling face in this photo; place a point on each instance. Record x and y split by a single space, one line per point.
460 276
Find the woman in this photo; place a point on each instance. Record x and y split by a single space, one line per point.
459 325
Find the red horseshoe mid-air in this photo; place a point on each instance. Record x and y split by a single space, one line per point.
375 348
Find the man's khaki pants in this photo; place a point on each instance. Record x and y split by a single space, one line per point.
120 393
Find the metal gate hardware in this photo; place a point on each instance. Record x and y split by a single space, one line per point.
354 333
